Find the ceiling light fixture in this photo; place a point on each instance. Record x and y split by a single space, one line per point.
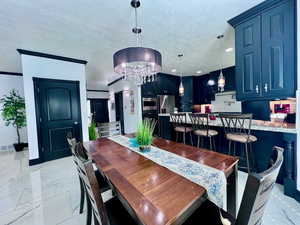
221 79
229 50
173 70
199 72
137 64
181 88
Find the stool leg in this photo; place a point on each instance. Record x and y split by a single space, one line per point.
229 147
198 141
252 157
247 157
191 138
234 145
210 143
214 143
176 136
183 137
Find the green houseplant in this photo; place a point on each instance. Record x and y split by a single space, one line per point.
144 134
13 113
92 132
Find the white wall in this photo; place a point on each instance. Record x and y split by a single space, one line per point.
97 94
298 95
130 120
8 135
33 66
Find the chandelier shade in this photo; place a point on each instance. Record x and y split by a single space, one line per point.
133 60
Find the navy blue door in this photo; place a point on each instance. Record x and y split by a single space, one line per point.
278 59
58 113
248 59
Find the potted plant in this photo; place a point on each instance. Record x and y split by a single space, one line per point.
13 113
92 132
144 135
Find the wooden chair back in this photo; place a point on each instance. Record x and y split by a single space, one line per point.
91 184
109 129
257 192
236 123
178 119
200 121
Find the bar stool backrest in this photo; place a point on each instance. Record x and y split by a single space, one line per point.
257 193
200 121
236 123
178 119
91 184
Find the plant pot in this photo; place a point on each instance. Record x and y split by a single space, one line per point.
19 147
145 148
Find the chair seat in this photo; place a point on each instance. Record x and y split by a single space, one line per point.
183 129
208 214
117 214
203 132
242 138
103 184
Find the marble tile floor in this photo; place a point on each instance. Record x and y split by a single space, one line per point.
48 194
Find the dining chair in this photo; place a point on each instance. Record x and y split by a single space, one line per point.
180 126
100 178
256 195
111 212
109 129
201 128
237 129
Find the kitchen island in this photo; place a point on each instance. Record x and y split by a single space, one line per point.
268 133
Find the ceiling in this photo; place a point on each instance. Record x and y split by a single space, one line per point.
93 30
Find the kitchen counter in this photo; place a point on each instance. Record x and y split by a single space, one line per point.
256 125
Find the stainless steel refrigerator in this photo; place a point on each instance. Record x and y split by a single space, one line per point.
166 103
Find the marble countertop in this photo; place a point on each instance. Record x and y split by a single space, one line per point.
256 125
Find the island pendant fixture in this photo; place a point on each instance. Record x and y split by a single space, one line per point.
221 78
137 64
181 88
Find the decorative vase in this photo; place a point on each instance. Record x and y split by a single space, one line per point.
145 148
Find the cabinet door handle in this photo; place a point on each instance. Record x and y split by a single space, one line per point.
257 89
266 87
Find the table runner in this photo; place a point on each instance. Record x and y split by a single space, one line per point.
213 180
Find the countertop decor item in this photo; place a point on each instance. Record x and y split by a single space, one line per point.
13 113
144 134
137 64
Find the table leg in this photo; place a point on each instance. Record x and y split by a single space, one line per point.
232 182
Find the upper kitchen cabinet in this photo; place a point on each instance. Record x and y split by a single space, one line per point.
164 84
265 51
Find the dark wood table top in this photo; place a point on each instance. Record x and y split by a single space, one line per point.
157 195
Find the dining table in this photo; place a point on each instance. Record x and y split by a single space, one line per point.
153 194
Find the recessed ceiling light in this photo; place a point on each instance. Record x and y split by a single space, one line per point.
229 50
199 71
173 70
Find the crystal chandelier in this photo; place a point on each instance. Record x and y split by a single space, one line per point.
137 64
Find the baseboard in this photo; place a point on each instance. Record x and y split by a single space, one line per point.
33 162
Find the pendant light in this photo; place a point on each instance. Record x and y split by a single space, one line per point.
137 64
221 78
181 88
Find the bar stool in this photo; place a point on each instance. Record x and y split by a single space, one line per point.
201 128
179 123
238 130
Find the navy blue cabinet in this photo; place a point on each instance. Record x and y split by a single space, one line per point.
248 59
265 51
278 57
